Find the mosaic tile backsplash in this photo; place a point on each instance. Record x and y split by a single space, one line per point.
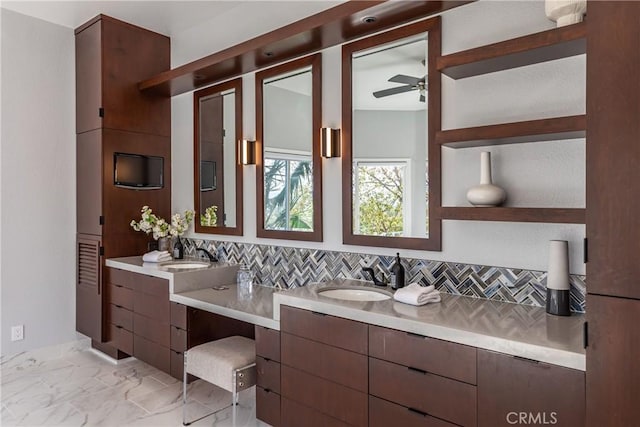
294 267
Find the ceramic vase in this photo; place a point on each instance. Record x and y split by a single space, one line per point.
486 194
558 287
565 12
164 244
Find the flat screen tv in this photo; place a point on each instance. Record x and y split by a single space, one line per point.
137 171
208 181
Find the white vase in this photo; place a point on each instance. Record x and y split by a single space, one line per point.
486 194
565 12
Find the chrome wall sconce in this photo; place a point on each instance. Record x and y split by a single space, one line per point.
330 142
247 152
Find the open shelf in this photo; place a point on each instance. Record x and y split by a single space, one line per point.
541 215
558 128
331 27
545 46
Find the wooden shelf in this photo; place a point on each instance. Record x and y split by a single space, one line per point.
331 27
545 46
558 128
541 215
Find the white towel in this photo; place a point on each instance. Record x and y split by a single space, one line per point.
415 294
156 256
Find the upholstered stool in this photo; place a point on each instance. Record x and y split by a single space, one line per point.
229 363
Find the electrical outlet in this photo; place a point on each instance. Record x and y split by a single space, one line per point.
17 333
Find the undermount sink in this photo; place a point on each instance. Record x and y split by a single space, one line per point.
355 294
184 265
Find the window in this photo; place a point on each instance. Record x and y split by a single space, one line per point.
288 191
382 198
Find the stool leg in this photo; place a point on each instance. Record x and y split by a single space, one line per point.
184 392
235 397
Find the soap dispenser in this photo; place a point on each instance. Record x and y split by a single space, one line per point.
397 273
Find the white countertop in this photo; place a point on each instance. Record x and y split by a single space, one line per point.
515 329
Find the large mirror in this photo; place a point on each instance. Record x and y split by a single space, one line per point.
289 181
217 173
391 164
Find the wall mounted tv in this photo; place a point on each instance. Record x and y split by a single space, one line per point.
208 181
138 172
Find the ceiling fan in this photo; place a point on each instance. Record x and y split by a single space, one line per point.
410 83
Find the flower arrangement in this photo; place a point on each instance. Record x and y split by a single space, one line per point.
210 217
151 223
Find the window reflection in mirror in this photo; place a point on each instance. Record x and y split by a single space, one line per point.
218 182
393 101
288 127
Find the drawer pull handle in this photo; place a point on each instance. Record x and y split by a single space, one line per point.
119 306
118 286
118 326
267 390
526 359
411 334
417 412
318 313
420 371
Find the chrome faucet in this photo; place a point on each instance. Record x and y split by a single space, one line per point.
373 276
211 257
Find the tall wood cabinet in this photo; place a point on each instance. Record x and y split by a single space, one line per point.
113 116
613 214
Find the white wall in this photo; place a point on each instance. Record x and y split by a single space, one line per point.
541 174
38 219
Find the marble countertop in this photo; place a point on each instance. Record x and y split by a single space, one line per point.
515 329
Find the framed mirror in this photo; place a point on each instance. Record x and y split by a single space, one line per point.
391 163
217 172
289 168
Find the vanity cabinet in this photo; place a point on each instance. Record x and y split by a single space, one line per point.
427 381
324 369
268 390
512 388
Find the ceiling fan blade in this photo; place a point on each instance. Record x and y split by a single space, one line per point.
408 80
393 91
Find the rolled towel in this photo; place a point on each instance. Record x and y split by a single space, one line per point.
156 256
415 294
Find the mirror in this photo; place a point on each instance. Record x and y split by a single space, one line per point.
391 164
288 173
217 173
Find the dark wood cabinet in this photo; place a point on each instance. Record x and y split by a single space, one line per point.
112 116
324 368
268 370
511 389
89 286
613 371
111 58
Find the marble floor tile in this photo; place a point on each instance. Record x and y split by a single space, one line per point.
6 418
164 378
113 413
173 416
58 415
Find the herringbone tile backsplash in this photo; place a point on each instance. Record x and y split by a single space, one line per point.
293 267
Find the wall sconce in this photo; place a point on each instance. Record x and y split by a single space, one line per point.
247 152
329 142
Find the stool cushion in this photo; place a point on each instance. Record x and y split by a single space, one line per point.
215 361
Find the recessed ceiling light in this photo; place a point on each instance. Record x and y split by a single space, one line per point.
198 77
268 54
369 19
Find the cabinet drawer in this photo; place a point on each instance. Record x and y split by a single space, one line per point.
178 339
440 397
151 285
428 354
331 363
385 414
152 353
120 317
151 329
268 406
177 364
119 295
335 400
268 343
121 277
121 338
152 306
293 413
323 328
179 315
268 374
